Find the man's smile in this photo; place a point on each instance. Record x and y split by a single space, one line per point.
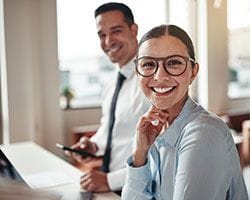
113 49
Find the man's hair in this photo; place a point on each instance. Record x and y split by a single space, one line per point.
113 6
172 30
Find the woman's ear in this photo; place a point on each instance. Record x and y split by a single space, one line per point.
195 70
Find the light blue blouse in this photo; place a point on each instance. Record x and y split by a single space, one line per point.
194 159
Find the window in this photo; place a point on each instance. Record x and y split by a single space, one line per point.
238 48
83 66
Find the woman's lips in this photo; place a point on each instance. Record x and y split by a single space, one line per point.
162 90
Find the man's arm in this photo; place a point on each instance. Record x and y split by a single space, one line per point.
95 181
103 182
116 179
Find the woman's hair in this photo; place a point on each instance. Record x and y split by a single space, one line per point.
113 6
172 30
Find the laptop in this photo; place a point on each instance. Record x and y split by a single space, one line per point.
8 171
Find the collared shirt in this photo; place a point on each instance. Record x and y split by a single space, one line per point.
194 159
131 104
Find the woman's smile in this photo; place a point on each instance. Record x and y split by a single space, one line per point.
162 89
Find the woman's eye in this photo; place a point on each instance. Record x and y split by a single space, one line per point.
173 63
149 65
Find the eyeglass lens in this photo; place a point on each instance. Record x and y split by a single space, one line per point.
174 65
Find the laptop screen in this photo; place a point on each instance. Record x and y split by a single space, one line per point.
7 170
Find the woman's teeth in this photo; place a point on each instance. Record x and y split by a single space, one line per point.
162 89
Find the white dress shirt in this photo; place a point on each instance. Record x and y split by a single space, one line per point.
131 104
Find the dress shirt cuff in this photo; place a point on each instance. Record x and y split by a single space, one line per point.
100 147
116 179
137 174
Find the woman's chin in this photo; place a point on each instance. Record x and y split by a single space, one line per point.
160 106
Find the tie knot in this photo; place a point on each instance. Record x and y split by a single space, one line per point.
121 77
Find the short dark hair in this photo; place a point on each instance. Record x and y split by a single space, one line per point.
112 6
171 30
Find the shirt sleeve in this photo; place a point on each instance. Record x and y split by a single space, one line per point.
116 179
202 163
99 139
138 182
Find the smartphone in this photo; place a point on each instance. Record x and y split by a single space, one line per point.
81 152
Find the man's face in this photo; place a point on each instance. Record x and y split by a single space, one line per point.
117 39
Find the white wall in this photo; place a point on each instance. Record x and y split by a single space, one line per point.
213 55
33 76
22 62
215 59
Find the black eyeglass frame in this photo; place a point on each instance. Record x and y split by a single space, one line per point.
164 66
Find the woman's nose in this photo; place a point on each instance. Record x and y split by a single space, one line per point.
161 73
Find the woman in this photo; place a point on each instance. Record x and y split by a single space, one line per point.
181 151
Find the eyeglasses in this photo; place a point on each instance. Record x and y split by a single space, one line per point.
174 65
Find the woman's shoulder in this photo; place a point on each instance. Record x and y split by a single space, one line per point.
211 120
208 127
201 117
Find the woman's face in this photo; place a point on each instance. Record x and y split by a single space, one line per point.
165 91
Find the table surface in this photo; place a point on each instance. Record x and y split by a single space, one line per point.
31 160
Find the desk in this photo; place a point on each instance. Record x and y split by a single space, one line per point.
30 158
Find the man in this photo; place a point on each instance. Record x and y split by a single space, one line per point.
117 32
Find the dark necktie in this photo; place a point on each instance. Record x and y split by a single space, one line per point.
106 158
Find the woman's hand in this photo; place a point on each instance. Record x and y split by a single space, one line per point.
148 128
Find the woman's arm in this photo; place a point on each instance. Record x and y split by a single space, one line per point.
203 165
138 182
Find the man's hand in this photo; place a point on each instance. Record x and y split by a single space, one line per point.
86 144
95 181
